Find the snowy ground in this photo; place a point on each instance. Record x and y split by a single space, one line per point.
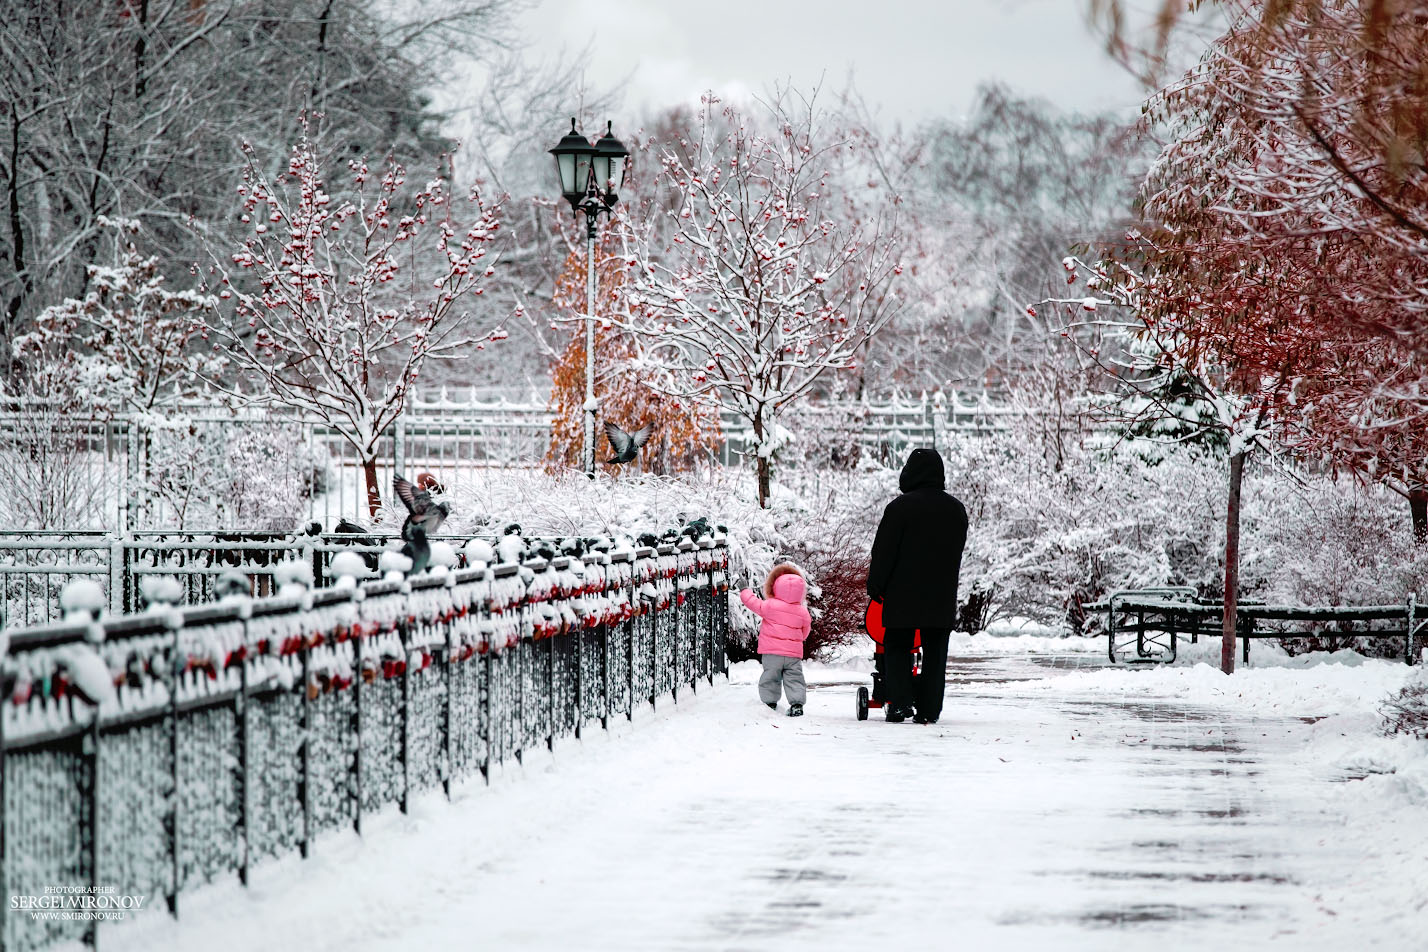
1059 805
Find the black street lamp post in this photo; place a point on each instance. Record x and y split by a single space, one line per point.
588 180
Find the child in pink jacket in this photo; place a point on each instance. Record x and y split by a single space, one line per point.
782 631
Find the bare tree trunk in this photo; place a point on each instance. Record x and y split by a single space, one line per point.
762 460
374 492
1418 504
1232 564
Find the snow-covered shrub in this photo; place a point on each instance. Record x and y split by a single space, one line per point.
838 601
235 474
828 437
1407 711
1052 528
270 473
51 474
1329 542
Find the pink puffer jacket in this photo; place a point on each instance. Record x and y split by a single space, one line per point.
786 621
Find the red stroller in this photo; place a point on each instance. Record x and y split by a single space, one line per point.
873 625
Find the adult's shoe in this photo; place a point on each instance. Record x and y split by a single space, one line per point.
896 715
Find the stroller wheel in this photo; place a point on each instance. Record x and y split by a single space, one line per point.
862 704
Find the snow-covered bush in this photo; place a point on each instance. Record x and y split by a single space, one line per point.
1330 542
270 473
1407 711
241 474
51 474
1054 527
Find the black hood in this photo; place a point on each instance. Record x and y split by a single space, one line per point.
923 471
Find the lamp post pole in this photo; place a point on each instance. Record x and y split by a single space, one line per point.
591 406
589 176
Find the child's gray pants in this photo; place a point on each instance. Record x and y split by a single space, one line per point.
786 671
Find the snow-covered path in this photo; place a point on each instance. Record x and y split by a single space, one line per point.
1029 818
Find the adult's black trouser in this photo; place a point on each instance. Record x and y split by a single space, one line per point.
926 694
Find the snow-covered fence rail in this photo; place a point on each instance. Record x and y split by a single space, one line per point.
35 567
149 753
1146 625
207 466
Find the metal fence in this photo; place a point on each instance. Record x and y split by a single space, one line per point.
247 730
36 566
206 467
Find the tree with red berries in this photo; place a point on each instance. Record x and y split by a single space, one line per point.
339 301
748 280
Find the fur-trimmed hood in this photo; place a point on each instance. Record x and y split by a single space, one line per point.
786 590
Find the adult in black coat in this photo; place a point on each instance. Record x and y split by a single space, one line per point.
916 558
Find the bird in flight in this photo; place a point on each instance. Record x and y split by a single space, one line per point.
422 512
625 445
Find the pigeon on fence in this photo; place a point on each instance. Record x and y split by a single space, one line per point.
422 511
697 529
360 538
625 445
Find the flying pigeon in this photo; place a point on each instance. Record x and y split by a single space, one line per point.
625 445
421 510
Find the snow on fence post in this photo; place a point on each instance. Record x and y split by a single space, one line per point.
116 574
404 667
245 758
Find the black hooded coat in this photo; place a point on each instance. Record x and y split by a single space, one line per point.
917 553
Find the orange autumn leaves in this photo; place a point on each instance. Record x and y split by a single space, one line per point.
631 391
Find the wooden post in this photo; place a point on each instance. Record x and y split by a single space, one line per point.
1232 564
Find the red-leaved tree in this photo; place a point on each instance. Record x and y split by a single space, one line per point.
1288 211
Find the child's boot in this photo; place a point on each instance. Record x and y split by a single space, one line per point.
795 710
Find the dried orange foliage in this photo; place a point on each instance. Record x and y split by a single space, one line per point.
685 431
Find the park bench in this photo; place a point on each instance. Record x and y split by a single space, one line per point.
1144 626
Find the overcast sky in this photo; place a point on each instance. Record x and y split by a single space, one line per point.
910 59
